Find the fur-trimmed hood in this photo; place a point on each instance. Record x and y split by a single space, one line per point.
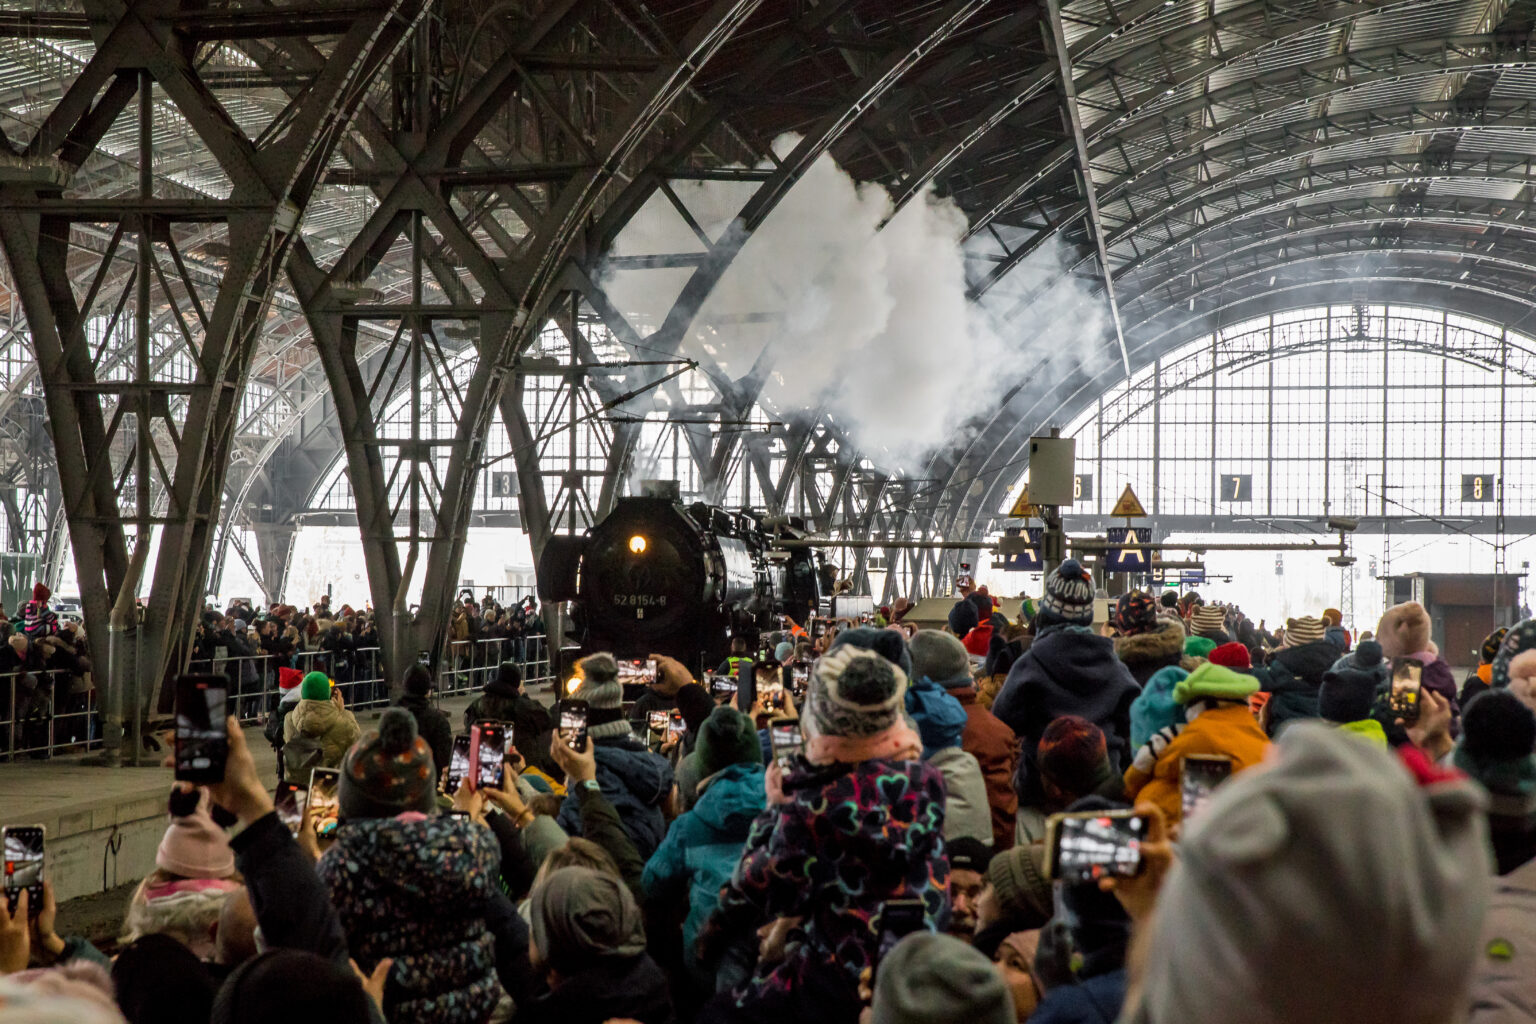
1162 643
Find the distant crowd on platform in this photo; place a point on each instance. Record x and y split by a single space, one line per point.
891 855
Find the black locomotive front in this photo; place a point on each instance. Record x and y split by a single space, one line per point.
656 577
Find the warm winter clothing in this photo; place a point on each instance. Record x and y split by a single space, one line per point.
937 979
503 700
333 726
1210 621
601 689
1135 613
1306 630
1068 597
315 686
865 703
1147 652
966 812
1231 655
1295 675
963 618
1496 749
996 751
432 726
726 738
1154 709
193 846
389 771
846 840
1290 867
888 643
421 891
1215 701
636 782
979 640
1068 670
703 847
1504 978
1017 877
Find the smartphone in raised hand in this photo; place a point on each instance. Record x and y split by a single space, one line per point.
289 800
571 720
202 736
1089 845
324 801
459 761
491 754
1199 775
23 845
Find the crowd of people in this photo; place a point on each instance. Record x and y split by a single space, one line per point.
1366 853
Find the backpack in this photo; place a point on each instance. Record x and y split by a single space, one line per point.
301 755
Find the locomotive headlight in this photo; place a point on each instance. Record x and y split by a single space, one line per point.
637 544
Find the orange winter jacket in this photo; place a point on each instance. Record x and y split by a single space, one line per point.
1227 727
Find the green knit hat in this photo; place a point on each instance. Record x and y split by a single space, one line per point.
315 686
726 738
1214 682
1199 646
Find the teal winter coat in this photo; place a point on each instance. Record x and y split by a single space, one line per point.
703 847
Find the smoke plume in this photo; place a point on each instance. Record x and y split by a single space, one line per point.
868 325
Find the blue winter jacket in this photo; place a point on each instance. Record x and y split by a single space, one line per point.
636 782
704 846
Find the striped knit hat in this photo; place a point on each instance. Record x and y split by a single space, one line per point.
1305 630
1135 613
854 692
1210 618
1068 594
604 696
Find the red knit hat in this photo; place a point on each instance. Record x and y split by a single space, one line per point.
41 593
288 678
1232 655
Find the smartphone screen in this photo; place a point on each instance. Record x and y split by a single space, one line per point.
1199 775
202 744
24 867
799 679
787 741
289 801
640 671
722 686
425 657
458 765
657 720
676 727
324 805
1089 846
818 628
573 723
492 755
1407 687
898 919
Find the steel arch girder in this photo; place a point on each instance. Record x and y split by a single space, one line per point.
1398 61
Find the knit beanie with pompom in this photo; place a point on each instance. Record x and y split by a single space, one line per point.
389 771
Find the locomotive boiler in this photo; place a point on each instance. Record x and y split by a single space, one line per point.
656 576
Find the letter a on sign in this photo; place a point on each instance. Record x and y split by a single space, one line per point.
1117 558
1128 505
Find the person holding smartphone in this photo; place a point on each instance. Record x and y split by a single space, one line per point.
704 845
860 754
417 887
637 782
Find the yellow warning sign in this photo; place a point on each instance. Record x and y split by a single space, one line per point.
1022 509
1128 505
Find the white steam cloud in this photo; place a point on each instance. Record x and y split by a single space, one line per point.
868 325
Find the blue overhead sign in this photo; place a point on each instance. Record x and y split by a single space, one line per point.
1026 559
1122 555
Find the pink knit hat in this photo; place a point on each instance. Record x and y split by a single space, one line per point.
193 846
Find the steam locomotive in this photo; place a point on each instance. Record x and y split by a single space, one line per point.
656 576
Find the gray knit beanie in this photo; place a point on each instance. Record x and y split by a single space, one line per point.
854 692
937 979
1327 887
604 696
941 657
578 915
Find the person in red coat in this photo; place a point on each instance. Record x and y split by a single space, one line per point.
941 658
